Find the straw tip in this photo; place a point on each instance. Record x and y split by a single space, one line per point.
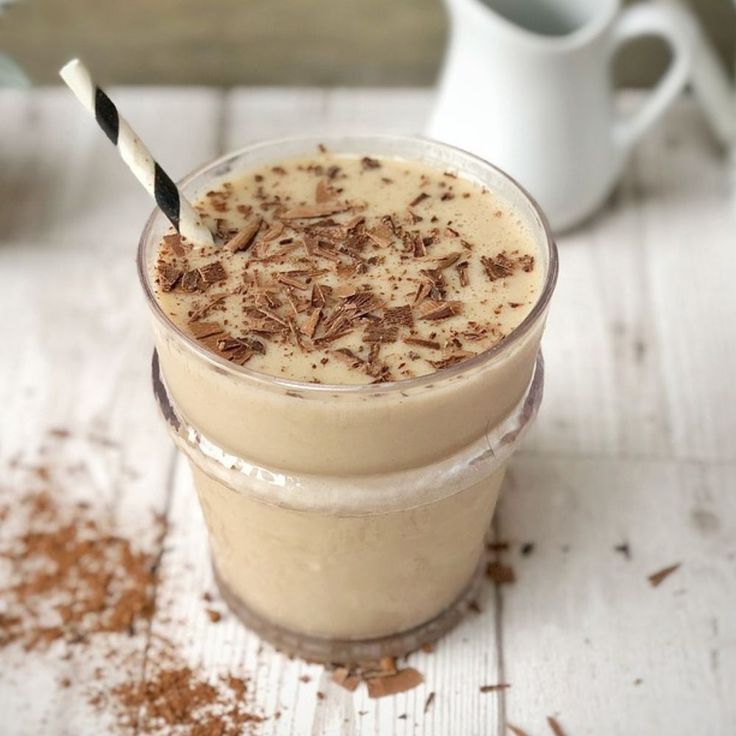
69 67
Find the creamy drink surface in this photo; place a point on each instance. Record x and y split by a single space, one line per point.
348 270
349 368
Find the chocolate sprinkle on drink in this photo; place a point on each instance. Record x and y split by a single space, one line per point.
340 279
244 238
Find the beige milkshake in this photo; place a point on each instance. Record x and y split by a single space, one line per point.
348 369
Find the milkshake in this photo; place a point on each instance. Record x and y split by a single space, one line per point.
348 369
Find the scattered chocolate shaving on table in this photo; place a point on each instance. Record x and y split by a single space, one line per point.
428 702
494 688
623 549
527 548
657 578
214 616
555 726
516 730
500 573
403 680
497 546
342 677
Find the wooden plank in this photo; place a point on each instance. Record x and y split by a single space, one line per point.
582 626
689 222
77 349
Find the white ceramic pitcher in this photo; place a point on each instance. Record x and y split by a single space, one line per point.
527 84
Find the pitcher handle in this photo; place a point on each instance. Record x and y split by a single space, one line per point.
675 28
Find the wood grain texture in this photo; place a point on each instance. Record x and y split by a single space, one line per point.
634 443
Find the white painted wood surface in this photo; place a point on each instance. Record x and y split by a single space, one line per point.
636 440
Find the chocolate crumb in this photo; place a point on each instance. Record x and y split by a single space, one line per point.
555 726
402 681
428 702
342 677
516 730
527 548
214 616
623 549
370 163
244 239
657 578
212 273
419 199
500 573
494 688
431 344
169 276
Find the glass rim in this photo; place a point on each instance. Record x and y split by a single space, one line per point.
389 387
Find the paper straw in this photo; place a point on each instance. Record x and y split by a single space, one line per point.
157 182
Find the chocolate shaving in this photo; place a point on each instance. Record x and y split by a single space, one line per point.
658 577
201 330
310 211
402 681
381 333
244 238
462 272
418 199
370 163
201 311
176 245
348 357
423 291
428 702
323 192
401 315
168 276
527 263
192 281
273 232
555 726
494 688
434 310
500 573
310 326
212 273
381 235
289 281
422 343
497 268
342 677
447 261
270 314
516 730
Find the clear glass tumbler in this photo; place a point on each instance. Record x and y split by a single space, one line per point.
348 522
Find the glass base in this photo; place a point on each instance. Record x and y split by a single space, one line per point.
347 652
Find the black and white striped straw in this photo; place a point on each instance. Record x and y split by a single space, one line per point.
157 182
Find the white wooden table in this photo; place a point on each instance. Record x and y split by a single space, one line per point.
635 443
